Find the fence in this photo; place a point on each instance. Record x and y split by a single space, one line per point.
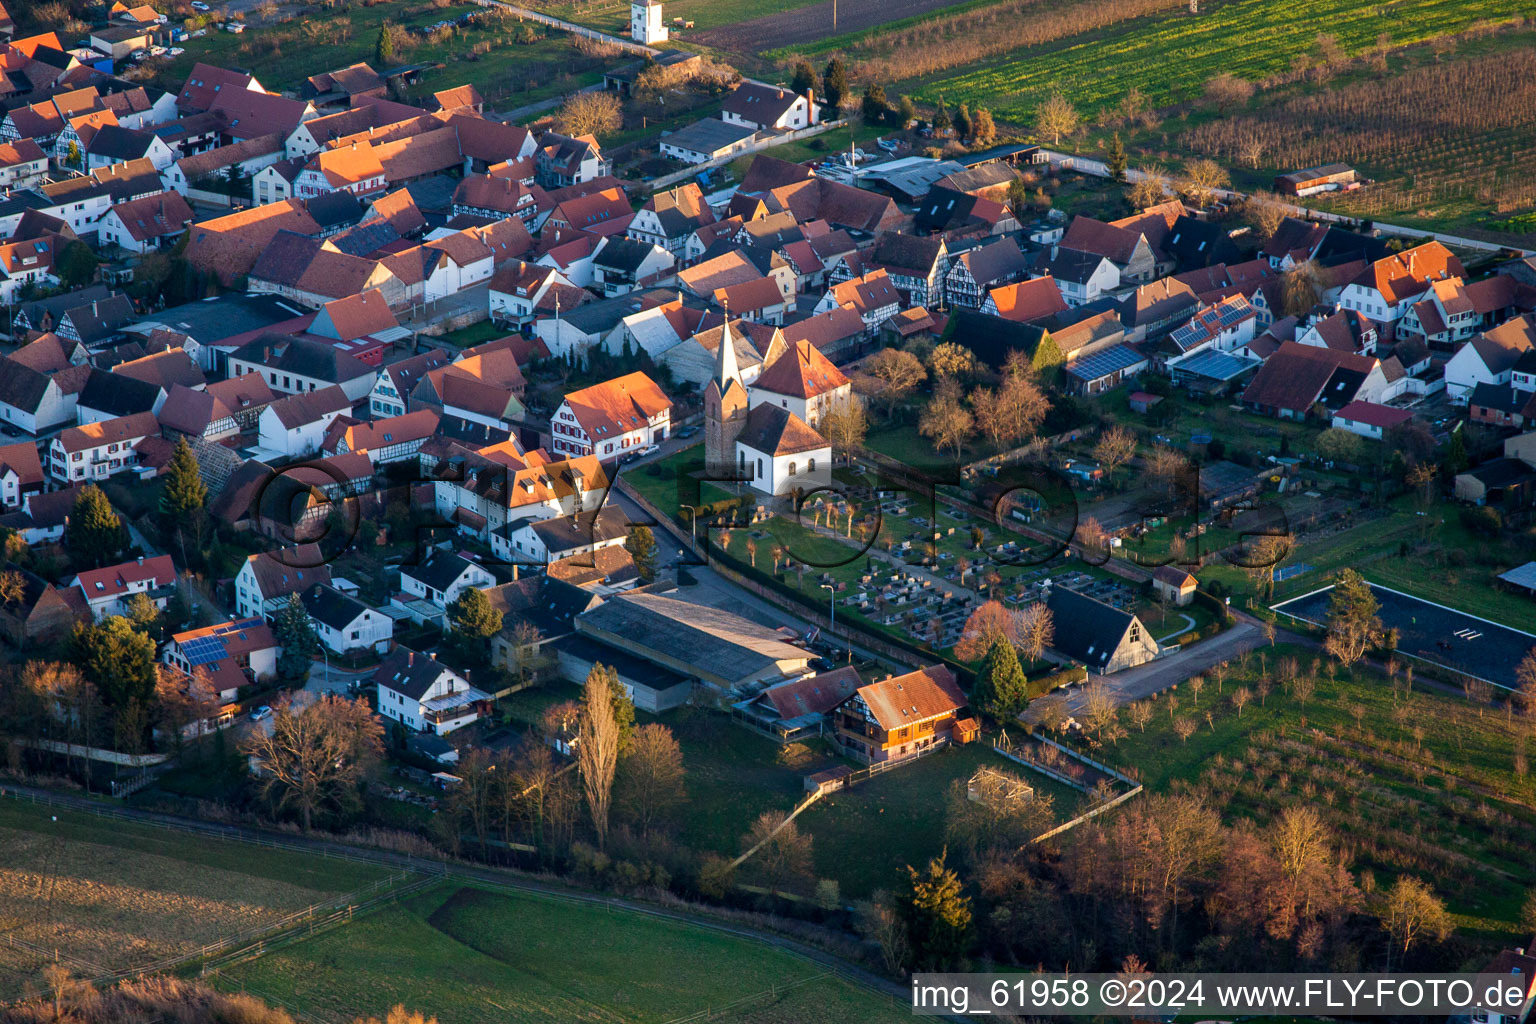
577 30
668 180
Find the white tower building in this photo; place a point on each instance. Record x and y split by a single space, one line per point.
645 24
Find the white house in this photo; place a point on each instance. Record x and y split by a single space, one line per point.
233 654
443 577
266 580
1082 277
516 289
1387 289
804 382
1369 419
758 106
34 401
345 624
21 473
549 540
292 366
96 451
295 426
484 495
645 22
423 694
612 419
109 590
392 388
780 452
1488 358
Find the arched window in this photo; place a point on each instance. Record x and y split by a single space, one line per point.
791 469
759 469
810 467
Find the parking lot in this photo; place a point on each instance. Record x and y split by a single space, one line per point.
1434 633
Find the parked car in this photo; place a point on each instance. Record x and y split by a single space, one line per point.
650 449
198 5
687 432
261 714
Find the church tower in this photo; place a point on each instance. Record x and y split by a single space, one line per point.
725 407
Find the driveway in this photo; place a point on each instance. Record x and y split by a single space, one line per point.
333 680
1144 680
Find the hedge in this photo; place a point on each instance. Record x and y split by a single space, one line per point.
1043 685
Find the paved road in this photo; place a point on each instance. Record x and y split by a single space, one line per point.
498 877
1089 165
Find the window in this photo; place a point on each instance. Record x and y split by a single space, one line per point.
759 468
791 468
810 467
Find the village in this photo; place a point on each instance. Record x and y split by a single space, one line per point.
925 471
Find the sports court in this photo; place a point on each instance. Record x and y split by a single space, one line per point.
1433 632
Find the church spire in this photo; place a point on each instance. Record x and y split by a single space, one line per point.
726 369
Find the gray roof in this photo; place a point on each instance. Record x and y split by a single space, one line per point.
303 356
212 320
409 672
333 608
440 571
117 394
569 532
679 634
1521 576
21 386
708 136
1088 630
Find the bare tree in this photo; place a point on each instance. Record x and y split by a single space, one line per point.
1301 288
1114 448
1099 707
878 922
783 852
1035 630
591 113
1202 179
1056 117
651 776
846 425
1412 911
897 373
1226 91
597 752
1184 728
1140 714
1240 698
1151 186
1167 467
316 756
1265 212
946 422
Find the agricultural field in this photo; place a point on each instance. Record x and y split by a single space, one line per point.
1413 779
114 895
474 955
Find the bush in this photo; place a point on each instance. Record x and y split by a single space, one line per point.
1483 521
1042 685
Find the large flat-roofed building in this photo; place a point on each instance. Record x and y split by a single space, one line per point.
716 647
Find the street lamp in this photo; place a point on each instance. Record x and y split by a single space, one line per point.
693 522
831 603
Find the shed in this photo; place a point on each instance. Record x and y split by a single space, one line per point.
829 781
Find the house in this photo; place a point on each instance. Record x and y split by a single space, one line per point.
233 654
780 453
1103 369
1127 248
517 289
293 365
1517 970
799 708
1154 308
1387 289
958 215
44 612
295 426
1369 419
21 473
267 580
423 694
1104 638
396 381
1343 331
1173 585
562 160
443 577
494 487
485 387
344 624
764 107
669 217
565 537
1327 178
709 139
344 85
1489 358
108 591
759 300
1500 483
803 381
976 272
904 716
96 451
838 334
114 144
144 225
1297 378
394 439
915 265
622 265
1026 302
611 419
873 296
1083 277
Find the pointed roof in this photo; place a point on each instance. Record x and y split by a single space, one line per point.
801 372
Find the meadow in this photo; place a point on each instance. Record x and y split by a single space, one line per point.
500 957
114 894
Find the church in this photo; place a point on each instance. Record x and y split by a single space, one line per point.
765 434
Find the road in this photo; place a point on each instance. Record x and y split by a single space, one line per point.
500 878
1089 165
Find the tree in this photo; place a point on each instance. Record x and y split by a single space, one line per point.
1265 211
1114 448
1056 117
783 851
1301 288
72 154
946 422
472 621
898 373
1528 913
846 425
184 494
95 535
591 113
1226 91
987 624
963 122
1525 681
294 632
1338 445
983 128
834 84
1036 628
938 917
906 112
877 921
597 750
120 661
641 545
1115 159
1151 186
1018 196
874 106
1261 556
13 588
941 120
1353 625
77 265
384 47
143 614
1001 688
650 777
1167 467
1203 178
1411 911
953 360
804 77
317 756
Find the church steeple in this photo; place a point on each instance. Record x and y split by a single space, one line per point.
726 368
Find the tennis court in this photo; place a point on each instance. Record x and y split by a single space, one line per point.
1434 633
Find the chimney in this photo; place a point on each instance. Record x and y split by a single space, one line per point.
141 559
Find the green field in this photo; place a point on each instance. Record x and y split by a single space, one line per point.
1421 783
471 955
1169 59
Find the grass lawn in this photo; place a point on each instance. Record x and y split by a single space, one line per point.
472 955
474 334
866 837
117 894
1413 783
902 441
